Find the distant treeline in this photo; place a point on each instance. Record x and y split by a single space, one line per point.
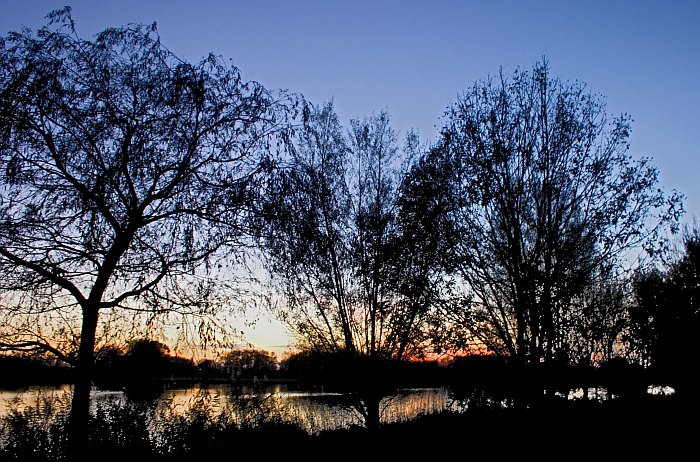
147 362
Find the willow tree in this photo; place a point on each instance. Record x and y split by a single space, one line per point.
124 171
341 244
347 241
547 202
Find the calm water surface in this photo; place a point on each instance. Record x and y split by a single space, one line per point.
312 410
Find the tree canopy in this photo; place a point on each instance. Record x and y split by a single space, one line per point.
665 316
342 244
124 171
547 202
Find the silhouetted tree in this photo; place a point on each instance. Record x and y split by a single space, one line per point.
124 170
22 369
146 359
348 240
342 243
250 362
547 202
647 310
665 317
109 363
595 332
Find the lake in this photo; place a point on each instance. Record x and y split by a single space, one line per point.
312 410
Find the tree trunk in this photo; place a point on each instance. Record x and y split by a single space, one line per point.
372 416
80 405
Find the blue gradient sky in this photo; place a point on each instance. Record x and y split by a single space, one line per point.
415 57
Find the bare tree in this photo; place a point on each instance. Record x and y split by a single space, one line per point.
546 197
124 171
595 330
339 243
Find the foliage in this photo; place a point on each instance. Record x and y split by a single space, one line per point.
342 245
547 205
665 314
596 330
125 172
250 362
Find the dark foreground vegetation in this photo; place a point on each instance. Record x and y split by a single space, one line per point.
549 428
509 411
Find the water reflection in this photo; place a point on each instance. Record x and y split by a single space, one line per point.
592 393
41 399
660 390
311 410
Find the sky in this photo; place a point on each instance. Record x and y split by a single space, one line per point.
414 58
